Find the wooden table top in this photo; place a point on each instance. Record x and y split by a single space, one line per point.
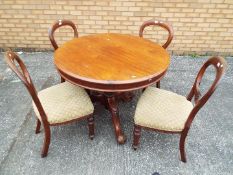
111 59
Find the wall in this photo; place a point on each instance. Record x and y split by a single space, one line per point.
201 26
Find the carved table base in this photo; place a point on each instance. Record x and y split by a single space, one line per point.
110 101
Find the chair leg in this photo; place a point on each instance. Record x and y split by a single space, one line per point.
38 124
91 127
47 136
182 147
158 84
62 80
136 136
143 89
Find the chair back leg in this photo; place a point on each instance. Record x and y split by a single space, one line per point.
62 80
136 136
91 127
158 84
38 124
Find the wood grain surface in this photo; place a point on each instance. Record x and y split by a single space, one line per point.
111 57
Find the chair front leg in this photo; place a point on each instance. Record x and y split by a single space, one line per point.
136 136
182 147
91 127
47 136
38 124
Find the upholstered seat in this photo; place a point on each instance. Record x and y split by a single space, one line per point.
64 102
162 110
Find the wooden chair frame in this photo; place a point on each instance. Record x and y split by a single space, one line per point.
55 26
163 25
220 65
12 60
58 24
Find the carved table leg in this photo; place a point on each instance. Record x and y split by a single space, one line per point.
113 108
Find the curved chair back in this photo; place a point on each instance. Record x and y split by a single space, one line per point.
161 24
21 71
220 66
57 25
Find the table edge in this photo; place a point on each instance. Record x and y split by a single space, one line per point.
113 86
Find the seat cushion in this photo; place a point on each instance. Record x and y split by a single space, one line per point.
64 102
162 110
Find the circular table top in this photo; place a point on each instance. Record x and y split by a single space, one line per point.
111 62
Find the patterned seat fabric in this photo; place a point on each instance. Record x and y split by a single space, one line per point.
162 110
64 102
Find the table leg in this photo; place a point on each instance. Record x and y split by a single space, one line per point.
113 108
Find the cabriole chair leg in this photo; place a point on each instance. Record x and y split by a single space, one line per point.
38 124
182 148
45 148
91 127
136 136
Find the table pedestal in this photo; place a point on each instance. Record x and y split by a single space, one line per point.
110 101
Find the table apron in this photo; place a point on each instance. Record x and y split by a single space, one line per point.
104 87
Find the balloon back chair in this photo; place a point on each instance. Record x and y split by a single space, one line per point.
168 112
55 26
162 24
56 105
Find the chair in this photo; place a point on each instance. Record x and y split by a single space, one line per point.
163 25
56 105
168 112
57 25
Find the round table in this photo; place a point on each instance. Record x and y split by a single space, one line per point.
112 63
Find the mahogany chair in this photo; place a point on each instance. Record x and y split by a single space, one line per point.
55 26
168 112
56 105
163 25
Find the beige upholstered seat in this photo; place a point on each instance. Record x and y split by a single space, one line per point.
162 110
64 102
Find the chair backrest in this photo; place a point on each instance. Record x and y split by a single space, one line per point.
21 71
161 24
57 25
220 65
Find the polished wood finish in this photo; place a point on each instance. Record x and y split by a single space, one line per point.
13 60
111 62
113 65
113 108
91 125
136 136
162 24
38 124
57 24
220 65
